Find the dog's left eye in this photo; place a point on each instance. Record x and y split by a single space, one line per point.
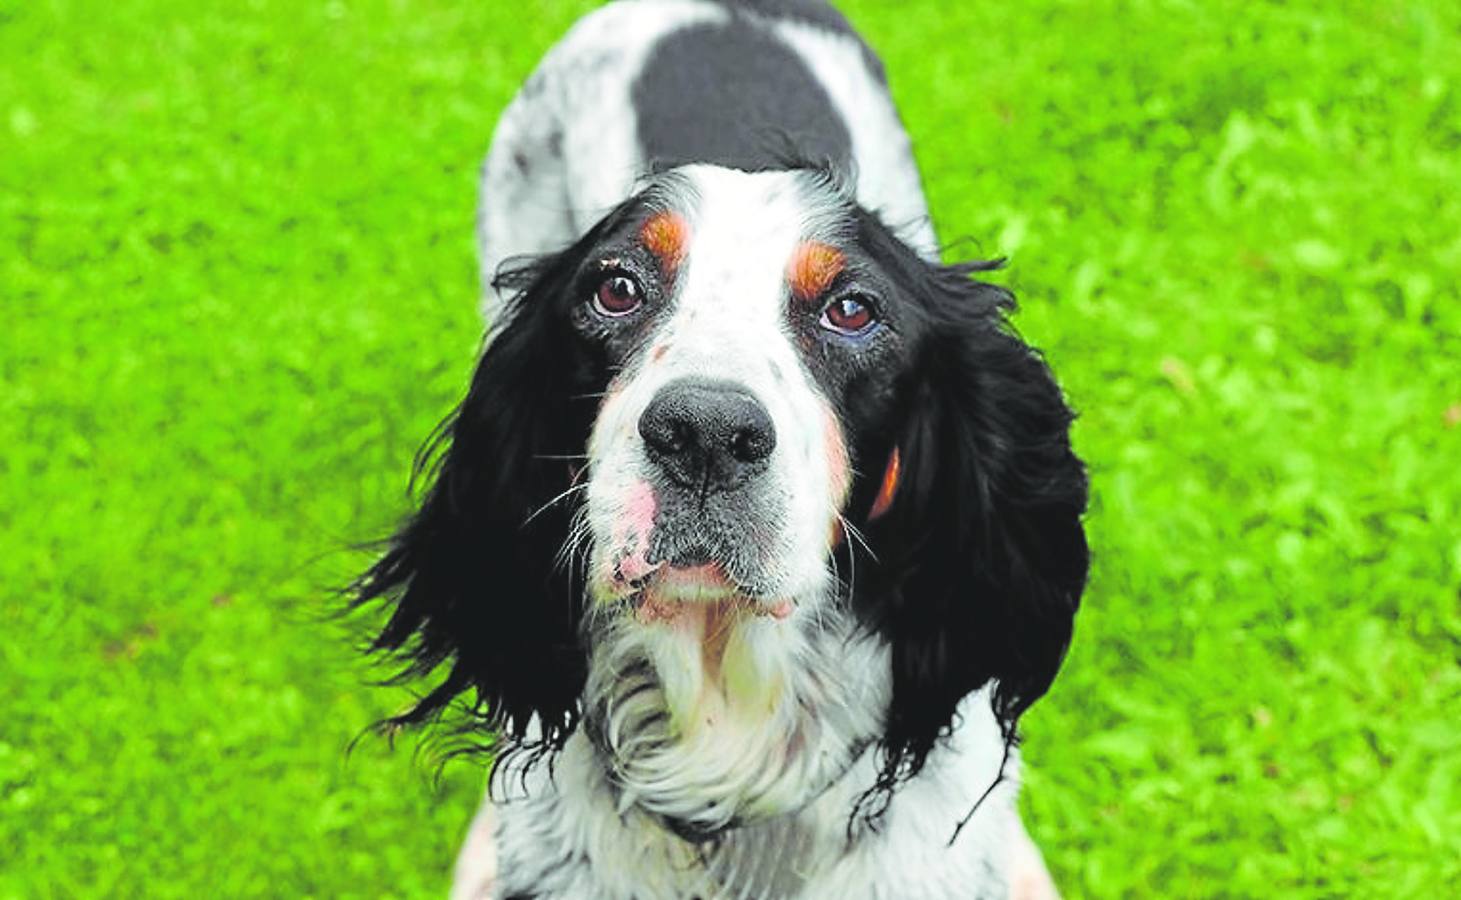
618 294
850 314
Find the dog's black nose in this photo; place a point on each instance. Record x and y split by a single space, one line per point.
708 435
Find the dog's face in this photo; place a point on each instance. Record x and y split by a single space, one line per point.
749 486
737 314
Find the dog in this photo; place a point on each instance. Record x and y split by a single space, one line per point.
758 528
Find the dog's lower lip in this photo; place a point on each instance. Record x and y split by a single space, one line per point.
649 608
673 590
708 577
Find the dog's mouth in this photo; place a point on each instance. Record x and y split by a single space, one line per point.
664 563
671 568
700 595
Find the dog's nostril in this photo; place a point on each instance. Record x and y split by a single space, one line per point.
673 437
753 444
664 430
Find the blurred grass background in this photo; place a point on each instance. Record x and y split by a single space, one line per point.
237 289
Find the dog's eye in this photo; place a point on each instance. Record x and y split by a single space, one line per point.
618 294
850 314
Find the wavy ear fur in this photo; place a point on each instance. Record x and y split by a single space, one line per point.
478 580
983 549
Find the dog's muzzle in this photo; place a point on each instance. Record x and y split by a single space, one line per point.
710 445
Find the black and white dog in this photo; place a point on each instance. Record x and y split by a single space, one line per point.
758 528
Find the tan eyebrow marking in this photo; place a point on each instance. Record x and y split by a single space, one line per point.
813 268
667 236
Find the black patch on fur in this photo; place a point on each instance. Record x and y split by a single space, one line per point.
474 581
733 94
977 570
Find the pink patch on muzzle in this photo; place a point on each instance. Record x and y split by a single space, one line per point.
631 537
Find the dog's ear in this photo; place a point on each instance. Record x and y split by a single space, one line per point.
479 581
978 523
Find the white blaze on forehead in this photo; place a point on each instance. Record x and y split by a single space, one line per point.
731 297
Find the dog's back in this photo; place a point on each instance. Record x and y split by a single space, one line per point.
642 85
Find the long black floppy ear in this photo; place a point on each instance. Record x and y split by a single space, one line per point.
982 544
478 581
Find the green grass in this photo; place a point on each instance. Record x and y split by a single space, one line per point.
237 289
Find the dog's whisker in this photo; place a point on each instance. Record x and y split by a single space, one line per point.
572 489
853 533
576 542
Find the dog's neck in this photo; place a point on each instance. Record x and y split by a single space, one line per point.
709 724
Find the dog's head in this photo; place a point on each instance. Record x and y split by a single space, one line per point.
737 460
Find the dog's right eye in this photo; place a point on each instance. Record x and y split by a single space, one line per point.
852 315
618 294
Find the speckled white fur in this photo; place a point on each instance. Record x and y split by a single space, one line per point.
549 828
